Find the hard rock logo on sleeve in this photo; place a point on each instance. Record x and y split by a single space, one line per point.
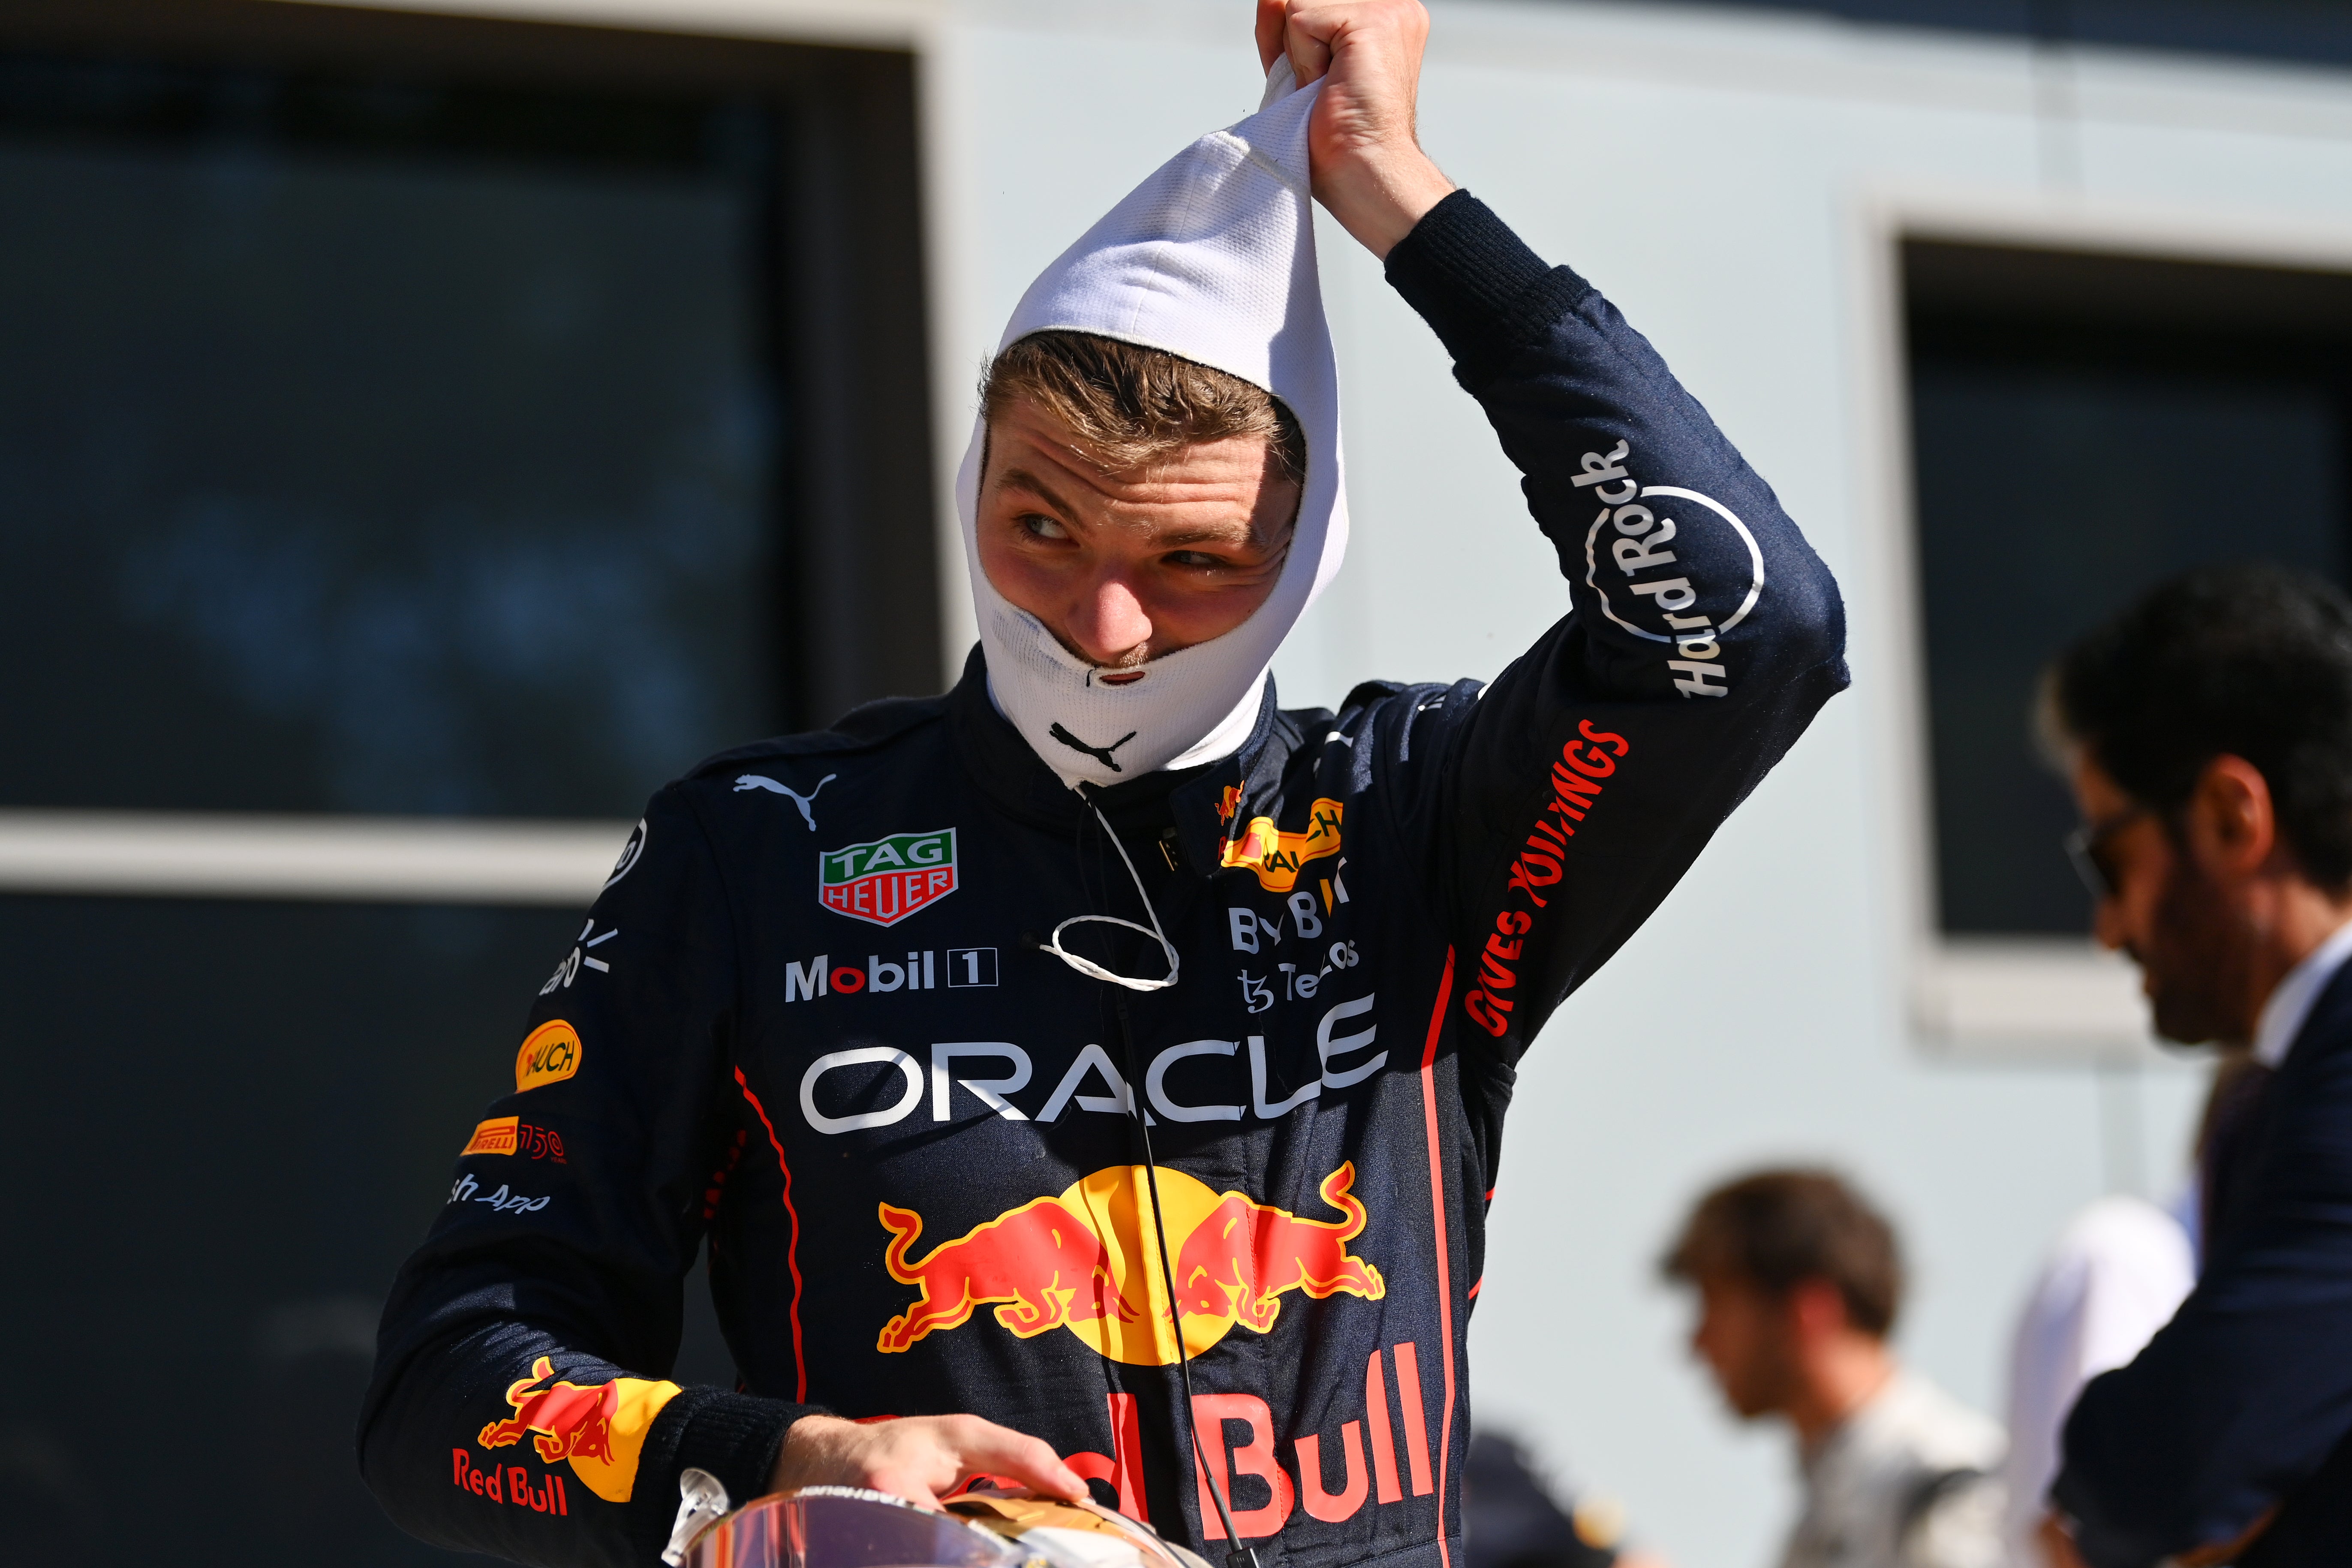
1668 597
886 880
550 1054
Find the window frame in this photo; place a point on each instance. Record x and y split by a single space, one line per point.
2056 999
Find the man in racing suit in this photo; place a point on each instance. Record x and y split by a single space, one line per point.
819 1018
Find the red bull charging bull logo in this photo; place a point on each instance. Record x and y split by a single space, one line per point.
1088 1261
599 1428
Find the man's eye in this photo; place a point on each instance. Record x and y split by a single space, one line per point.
1039 525
1192 558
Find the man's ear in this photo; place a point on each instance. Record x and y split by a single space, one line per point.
2232 822
1816 1309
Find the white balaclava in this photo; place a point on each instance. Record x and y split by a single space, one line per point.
1212 259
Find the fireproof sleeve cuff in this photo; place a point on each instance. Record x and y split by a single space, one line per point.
735 1436
1478 286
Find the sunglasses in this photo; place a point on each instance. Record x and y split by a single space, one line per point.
2088 849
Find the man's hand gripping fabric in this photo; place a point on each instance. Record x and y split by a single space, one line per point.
1368 169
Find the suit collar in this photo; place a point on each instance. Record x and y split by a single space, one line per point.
2292 1000
1201 800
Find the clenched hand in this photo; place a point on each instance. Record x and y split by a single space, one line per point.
1368 169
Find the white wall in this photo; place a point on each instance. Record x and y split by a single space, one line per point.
1709 171
1715 174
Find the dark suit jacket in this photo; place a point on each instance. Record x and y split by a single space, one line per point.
2244 1399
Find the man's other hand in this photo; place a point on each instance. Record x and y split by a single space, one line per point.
1367 167
919 1458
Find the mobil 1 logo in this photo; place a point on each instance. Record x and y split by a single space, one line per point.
971 967
920 970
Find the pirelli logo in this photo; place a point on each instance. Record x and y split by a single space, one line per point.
513 1135
498 1135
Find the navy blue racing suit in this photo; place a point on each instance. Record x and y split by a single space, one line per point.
809 1026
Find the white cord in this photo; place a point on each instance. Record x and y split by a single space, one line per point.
1052 944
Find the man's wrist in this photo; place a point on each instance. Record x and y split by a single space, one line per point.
1378 198
734 1436
800 1450
1479 287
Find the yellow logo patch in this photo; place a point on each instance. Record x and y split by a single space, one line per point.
550 1054
1278 857
599 1428
495 1136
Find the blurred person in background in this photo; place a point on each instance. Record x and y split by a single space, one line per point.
1799 1282
2207 734
1513 1518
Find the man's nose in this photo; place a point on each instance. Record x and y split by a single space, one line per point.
1110 622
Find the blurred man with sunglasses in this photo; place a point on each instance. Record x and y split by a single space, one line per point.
2207 734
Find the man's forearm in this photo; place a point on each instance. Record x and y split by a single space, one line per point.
1378 201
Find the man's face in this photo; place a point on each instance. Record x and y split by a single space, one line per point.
1123 567
2181 924
1748 1338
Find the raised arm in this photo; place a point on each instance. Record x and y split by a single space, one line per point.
1559 805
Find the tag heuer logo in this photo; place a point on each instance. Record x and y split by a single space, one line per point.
890 879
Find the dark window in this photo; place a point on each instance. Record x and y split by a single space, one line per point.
397 414
378 448
382 433
2083 426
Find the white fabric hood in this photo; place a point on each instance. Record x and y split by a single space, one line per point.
1212 258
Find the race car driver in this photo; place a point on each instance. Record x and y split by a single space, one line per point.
1029 1056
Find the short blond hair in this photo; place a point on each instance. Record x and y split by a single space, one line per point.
1132 405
